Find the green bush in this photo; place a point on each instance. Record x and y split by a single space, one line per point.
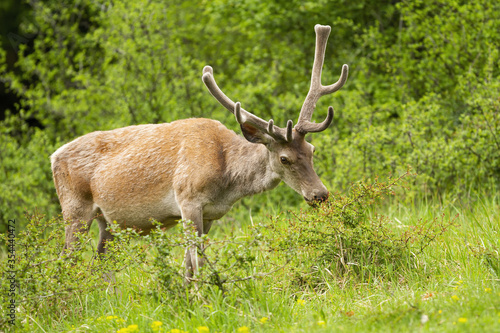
25 174
346 240
51 283
426 95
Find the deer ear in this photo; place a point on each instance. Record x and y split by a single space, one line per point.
254 135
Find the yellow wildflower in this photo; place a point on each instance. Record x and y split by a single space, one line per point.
455 298
133 328
462 320
321 323
243 329
203 329
129 329
263 320
156 325
301 302
176 330
440 311
111 317
488 290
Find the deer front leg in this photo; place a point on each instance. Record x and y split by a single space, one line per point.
193 260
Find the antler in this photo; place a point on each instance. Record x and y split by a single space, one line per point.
304 125
243 116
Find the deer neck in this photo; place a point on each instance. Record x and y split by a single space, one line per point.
249 168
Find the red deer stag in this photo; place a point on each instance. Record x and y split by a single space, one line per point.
191 169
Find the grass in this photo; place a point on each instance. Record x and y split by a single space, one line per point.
453 286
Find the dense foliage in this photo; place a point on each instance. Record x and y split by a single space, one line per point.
423 89
305 252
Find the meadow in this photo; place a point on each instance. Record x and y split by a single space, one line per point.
270 278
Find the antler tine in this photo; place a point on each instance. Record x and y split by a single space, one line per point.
308 127
289 128
337 85
243 116
268 127
316 90
213 88
322 33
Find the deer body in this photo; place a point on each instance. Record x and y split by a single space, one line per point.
193 169
131 181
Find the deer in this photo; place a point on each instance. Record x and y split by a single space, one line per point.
188 170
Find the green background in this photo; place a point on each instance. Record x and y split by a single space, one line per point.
423 87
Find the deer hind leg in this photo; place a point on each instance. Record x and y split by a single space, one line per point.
104 235
79 214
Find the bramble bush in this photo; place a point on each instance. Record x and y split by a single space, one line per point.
346 240
52 283
228 260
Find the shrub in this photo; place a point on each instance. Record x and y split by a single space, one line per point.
229 260
344 239
49 282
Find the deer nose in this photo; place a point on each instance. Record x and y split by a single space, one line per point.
318 195
321 196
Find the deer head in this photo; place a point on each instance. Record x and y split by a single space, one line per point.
290 155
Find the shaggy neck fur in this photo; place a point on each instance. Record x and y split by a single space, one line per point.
250 169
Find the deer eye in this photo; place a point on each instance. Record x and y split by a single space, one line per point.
284 160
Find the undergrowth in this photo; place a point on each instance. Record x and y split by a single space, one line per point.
342 241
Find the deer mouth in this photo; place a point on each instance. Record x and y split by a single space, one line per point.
314 203
317 199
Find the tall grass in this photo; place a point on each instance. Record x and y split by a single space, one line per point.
453 285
